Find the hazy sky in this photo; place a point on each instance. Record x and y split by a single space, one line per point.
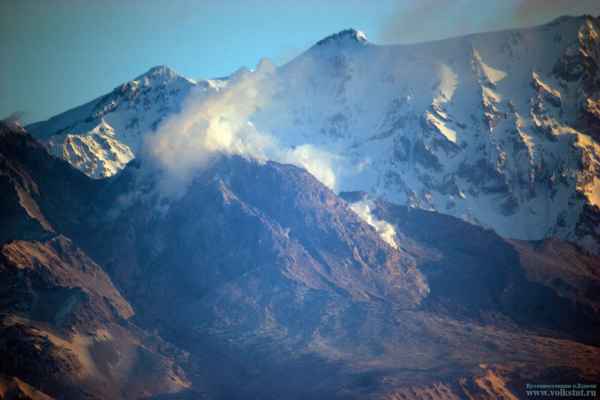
59 54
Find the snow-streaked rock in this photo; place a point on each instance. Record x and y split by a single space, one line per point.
102 136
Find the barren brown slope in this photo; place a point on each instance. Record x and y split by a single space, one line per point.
65 328
259 282
549 286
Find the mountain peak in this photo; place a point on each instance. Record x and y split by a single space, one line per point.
159 72
348 35
158 75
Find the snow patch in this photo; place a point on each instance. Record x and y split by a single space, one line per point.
442 128
488 73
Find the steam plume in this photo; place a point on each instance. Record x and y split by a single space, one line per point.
216 121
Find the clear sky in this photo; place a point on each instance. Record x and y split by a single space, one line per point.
59 54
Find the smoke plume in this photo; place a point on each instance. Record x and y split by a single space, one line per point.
385 229
217 121
439 19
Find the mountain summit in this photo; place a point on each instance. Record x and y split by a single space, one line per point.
346 36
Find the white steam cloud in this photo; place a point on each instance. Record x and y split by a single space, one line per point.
385 229
212 121
316 161
218 120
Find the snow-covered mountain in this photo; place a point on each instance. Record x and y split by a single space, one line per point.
501 129
102 136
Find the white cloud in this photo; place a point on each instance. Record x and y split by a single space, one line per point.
218 121
318 162
385 229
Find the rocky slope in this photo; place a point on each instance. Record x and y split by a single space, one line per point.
111 290
548 285
499 129
65 329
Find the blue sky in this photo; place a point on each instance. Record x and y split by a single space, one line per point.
59 54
